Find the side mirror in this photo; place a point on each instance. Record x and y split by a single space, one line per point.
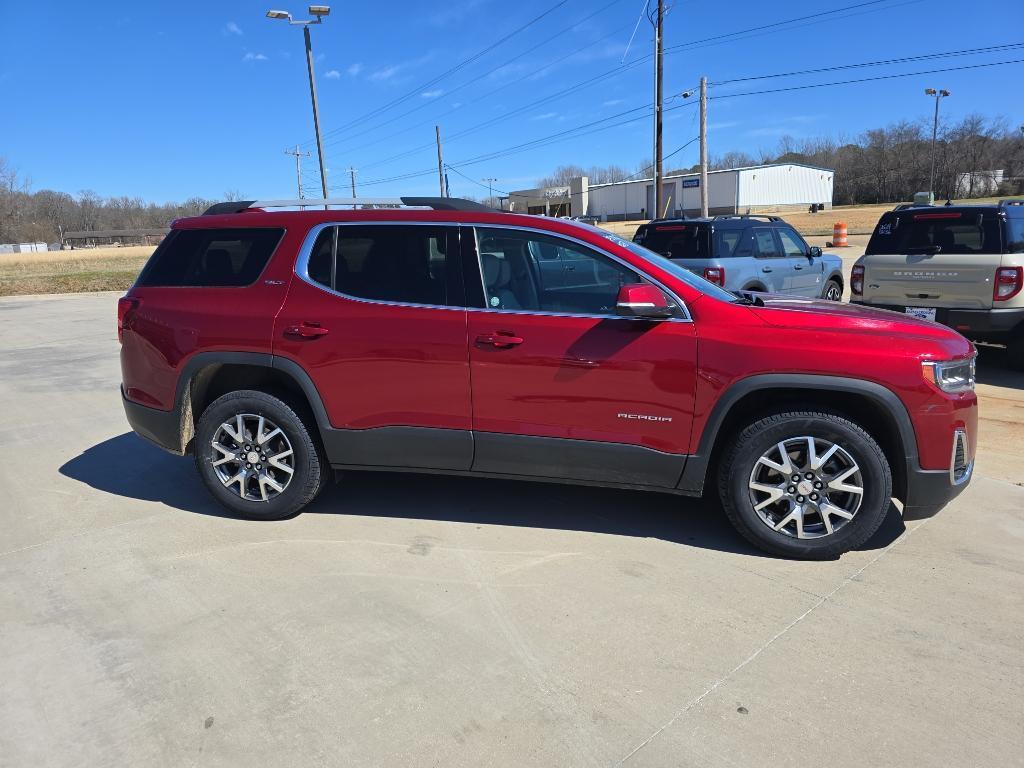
642 300
814 252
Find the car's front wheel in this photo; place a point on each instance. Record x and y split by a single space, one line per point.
805 484
257 456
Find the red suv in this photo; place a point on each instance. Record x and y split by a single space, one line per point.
436 335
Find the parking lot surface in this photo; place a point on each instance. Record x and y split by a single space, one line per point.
407 620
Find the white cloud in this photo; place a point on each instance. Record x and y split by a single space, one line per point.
354 69
385 73
545 116
250 56
613 102
332 74
431 94
320 57
233 29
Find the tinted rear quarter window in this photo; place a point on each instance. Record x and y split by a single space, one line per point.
678 241
948 232
210 257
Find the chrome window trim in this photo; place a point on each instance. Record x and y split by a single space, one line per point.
687 318
305 251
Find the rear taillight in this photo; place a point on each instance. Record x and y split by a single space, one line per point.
1008 282
125 308
857 280
715 275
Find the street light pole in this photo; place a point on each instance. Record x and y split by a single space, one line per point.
938 94
319 11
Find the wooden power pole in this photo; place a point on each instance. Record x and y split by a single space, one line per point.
298 166
352 175
704 147
659 57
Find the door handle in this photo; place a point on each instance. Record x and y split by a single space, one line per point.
499 339
305 331
797 266
766 269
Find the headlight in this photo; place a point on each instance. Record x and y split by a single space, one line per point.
951 376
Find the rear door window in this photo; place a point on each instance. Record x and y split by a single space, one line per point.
210 257
765 244
396 263
947 232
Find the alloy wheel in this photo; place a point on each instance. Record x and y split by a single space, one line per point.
253 457
833 293
806 487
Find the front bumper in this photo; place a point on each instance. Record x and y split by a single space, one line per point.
982 323
162 428
929 490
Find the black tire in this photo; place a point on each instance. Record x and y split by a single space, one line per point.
747 447
1015 351
833 291
309 467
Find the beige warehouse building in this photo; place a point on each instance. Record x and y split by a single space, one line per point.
755 189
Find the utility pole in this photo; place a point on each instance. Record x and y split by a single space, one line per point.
440 161
939 95
490 191
704 147
659 57
298 166
352 175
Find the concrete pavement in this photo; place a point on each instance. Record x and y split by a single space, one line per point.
410 620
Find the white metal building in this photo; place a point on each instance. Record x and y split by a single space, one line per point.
757 189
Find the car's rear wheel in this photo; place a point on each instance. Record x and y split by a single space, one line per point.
805 484
833 291
257 456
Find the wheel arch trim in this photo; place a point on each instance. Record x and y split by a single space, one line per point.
695 472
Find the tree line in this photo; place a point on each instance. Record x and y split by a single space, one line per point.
883 165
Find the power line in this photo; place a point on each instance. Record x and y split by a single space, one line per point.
867 79
885 62
488 73
590 81
450 71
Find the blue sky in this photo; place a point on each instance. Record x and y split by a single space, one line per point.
171 100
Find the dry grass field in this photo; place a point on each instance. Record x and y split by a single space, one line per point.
91 269
114 269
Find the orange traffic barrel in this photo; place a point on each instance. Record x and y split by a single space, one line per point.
839 233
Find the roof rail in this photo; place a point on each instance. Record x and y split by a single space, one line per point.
746 216
435 203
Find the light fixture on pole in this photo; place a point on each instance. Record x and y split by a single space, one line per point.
939 95
490 191
318 11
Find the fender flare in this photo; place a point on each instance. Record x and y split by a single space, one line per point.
695 472
202 360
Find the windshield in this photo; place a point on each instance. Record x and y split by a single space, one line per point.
680 272
936 231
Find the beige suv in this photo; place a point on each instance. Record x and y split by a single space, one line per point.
959 265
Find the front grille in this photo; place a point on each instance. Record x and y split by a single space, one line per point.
960 465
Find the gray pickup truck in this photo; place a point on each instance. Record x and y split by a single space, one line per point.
746 253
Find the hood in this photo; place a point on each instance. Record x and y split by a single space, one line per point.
834 316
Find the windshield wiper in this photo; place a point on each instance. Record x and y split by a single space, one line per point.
931 250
